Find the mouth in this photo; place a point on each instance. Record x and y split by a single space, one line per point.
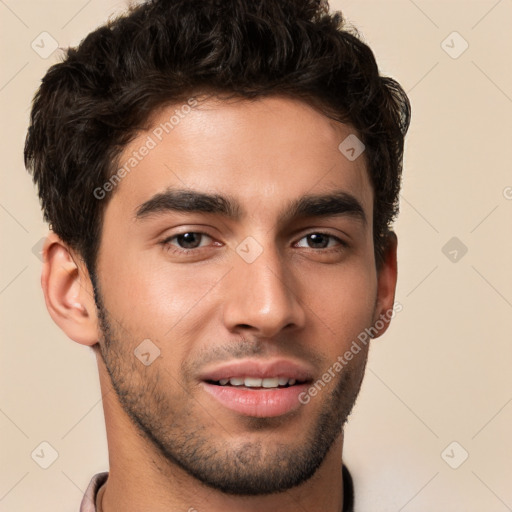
256 383
261 389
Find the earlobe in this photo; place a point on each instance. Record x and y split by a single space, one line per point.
386 285
68 292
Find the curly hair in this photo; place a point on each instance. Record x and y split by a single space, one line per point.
90 105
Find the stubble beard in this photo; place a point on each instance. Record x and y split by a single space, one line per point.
204 448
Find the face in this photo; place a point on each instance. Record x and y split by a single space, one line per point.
239 250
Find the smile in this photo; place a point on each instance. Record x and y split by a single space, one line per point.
258 388
255 382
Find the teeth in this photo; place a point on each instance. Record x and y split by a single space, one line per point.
251 382
255 382
270 382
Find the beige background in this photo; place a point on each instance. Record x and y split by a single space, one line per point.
441 373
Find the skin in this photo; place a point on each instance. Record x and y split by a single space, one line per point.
297 300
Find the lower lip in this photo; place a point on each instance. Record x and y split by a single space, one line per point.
258 402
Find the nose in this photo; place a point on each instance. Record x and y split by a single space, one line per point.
261 297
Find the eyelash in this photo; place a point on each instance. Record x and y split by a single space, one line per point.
176 250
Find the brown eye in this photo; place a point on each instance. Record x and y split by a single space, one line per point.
321 241
186 241
189 240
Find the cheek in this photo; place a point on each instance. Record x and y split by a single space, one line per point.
344 300
155 298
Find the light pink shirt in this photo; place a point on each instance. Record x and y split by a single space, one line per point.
89 500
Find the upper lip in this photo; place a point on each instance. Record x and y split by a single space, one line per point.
258 368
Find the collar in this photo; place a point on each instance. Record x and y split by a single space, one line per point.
91 501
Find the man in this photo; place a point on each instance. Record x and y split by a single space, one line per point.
220 180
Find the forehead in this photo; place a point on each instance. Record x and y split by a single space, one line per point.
264 152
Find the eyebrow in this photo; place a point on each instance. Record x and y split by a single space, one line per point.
179 200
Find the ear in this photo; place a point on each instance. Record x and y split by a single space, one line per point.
386 285
68 292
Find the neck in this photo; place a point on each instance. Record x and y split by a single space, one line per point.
141 478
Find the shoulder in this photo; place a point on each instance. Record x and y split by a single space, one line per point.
89 500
